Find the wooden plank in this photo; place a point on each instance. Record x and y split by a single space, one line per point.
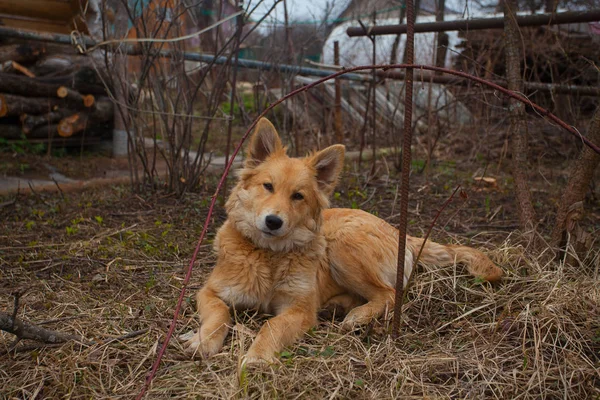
39 9
77 6
39 25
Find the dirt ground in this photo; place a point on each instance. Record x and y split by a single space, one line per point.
106 262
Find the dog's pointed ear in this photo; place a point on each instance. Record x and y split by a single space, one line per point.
328 164
263 142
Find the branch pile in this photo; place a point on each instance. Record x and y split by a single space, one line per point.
49 92
565 55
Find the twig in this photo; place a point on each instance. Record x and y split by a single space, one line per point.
36 194
14 349
55 320
62 195
16 296
416 262
437 215
126 336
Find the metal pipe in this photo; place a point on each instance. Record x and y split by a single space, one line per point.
405 161
530 86
339 135
44 36
449 80
133 50
568 17
252 64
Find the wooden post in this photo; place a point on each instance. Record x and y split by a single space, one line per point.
374 99
339 134
122 143
442 37
513 50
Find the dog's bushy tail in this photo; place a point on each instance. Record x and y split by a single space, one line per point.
477 263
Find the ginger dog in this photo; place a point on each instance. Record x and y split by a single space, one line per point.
283 252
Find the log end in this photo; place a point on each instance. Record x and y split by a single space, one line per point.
66 127
62 92
89 100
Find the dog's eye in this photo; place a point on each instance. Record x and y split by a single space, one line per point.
297 196
268 186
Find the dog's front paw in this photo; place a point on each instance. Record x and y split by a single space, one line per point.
355 319
255 359
206 348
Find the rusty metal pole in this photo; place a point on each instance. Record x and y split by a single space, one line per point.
240 27
406 158
339 135
374 102
568 17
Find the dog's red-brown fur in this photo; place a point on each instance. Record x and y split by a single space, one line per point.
283 252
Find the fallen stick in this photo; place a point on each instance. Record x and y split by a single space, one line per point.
18 349
30 122
23 330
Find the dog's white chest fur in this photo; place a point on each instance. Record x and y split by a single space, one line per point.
257 278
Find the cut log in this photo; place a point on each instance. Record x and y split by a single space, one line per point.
74 96
84 80
14 84
62 64
89 100
21 53
25 86
73 124
30 122
11 105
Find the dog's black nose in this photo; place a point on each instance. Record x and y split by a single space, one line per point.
273 222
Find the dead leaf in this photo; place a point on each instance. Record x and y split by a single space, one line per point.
486 179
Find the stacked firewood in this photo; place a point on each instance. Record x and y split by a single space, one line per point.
48 92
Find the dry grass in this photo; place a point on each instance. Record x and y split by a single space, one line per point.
535 335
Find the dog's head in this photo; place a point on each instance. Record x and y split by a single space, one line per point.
278 200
